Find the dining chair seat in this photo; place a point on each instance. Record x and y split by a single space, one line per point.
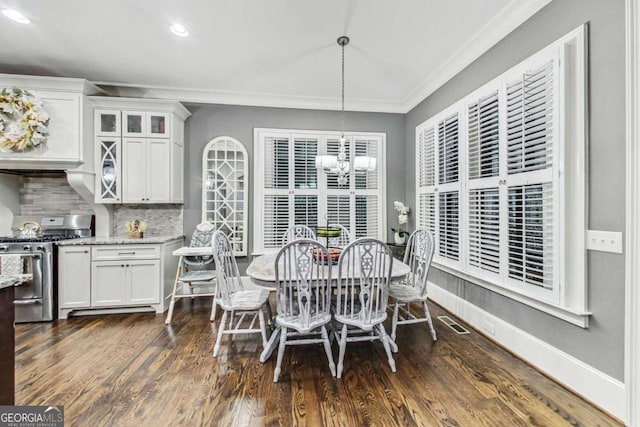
404 293
296 322
246 300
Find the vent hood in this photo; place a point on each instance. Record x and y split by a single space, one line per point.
69 143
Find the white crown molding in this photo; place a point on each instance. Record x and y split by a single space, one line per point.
507 20
596 386
61 84
192 95
632 244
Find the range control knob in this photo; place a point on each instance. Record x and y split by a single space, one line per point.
26 248
3 249
39 248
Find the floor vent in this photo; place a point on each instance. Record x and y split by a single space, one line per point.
453 325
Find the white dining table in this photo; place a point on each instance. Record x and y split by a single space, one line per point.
262 271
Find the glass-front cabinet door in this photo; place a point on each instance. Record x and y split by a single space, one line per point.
134 123
108 181
158 125
107 123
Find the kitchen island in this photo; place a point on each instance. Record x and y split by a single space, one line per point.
7 340
116 274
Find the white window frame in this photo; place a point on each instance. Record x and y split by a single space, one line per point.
568 299
260 134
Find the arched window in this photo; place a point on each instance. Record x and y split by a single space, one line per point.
225 169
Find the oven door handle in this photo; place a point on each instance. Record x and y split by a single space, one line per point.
25 254
27 301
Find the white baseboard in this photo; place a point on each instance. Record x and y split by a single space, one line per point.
598 387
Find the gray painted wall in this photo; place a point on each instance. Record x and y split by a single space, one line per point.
602 344
210 121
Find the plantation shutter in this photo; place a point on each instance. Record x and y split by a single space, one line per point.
425 172
483 137
530 137
291 191
366 216
276 190
339 210
484 229
448 209
483 168
500 179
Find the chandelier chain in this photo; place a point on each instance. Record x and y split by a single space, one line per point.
342 116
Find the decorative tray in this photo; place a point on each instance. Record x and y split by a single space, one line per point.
327 231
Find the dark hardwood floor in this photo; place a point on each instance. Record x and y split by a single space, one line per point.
131 370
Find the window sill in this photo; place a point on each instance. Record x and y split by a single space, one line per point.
573 316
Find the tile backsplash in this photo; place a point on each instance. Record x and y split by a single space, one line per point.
162 219
50 194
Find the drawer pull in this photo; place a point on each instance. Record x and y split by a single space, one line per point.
126 253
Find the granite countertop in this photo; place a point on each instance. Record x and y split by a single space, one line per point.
120 240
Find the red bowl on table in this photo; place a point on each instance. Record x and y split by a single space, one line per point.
334 254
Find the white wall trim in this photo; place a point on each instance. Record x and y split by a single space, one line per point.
598 387
509 18
632 244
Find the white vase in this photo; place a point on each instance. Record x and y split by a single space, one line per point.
399 240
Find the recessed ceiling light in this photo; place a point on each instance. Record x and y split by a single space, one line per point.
179 30
14 15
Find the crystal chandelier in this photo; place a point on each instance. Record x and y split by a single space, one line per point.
339 164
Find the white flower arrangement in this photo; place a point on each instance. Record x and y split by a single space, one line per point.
23 121
135 228
403 217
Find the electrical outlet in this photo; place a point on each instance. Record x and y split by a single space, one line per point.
605 241
489 328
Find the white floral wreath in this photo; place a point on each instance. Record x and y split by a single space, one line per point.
23 121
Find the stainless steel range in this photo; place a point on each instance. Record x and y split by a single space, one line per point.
31 255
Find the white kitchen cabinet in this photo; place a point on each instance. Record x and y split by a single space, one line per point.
108 170
116 277
149 164
146 165
74 277
125 282
108 123
108 284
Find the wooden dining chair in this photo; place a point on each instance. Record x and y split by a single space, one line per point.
298 232
413 287
364 274
303 297
342 240
240 306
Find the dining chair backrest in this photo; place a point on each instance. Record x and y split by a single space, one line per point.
227 272
303 283
418 255
201 238
298 232
364 275
342 240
